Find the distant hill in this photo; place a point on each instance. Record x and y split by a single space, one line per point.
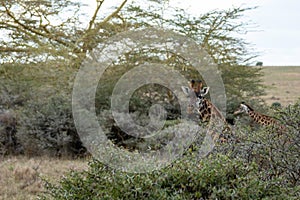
283 84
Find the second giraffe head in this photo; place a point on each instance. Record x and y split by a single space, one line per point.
243 108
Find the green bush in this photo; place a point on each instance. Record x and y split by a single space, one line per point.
215 177
261 165
48 128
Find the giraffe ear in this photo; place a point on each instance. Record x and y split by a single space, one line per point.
204 91
186 90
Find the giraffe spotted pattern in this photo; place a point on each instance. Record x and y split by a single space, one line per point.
257 117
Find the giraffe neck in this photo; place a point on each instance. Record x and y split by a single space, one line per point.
208 111
261 119
205 110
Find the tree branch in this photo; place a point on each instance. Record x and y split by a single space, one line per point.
9 49
28 28
90 31
112 15
95 14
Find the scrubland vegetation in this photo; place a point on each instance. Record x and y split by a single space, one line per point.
258 163
42 154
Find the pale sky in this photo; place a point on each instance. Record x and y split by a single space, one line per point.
278 25
278 32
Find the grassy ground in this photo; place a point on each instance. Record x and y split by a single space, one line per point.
283 84
21 177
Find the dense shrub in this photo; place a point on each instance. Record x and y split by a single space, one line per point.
48 128
215 177
9 143
263 164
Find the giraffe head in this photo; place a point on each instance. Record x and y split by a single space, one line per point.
196 98
243 108
196 86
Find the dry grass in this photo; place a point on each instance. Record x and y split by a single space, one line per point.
283 84
21 177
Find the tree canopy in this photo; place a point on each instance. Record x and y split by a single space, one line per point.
51 38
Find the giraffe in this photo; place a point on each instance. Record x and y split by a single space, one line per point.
204 108
195 97
198 104
257 117
264 120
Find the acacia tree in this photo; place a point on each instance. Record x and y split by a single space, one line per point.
45 42
53 31
219 33
41 49
39 31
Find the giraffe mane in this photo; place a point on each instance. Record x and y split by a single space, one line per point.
218 112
